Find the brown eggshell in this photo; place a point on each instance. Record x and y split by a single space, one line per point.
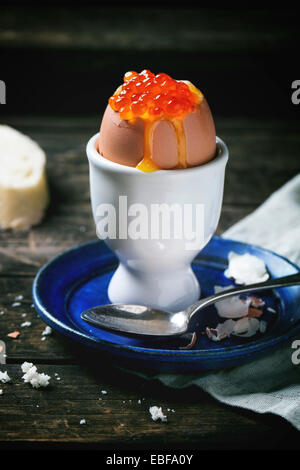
123 142
200 136
164 145
120 141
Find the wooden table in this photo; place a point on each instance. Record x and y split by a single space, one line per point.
264 154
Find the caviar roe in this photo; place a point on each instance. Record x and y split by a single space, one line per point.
152 97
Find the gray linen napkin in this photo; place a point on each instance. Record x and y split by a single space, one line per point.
272 383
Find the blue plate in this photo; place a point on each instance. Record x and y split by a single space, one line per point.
78 279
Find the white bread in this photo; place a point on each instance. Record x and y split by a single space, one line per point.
23 185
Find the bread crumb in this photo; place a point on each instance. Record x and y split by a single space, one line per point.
25 323
32 376
82 421
26 366
156 414
4 377
47 331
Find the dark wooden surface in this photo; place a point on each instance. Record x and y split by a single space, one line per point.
256 169
263 138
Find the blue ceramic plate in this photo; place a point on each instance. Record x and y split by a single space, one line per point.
78 279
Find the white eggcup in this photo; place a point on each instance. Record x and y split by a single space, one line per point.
155 223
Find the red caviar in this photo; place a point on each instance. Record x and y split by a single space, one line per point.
153 97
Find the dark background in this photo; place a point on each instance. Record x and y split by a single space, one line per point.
69 59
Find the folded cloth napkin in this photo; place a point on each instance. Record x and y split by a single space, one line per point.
270 384
275 224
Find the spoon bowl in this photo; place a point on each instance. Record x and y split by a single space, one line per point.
141 320
137 320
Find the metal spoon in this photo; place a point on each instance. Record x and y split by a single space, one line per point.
152 322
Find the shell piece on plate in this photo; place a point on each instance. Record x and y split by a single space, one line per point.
246 268
233 307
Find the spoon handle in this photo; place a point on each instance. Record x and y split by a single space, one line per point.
270 284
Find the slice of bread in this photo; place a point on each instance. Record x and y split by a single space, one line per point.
23 185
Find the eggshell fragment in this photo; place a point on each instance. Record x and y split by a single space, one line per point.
246 327
14 334
222 330
246 268
233 307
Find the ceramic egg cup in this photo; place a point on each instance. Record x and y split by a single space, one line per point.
156 271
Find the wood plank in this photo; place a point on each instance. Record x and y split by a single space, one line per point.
254 171
69 221
253 143
86 50
191 29
228 53
29 345
242 187
198 421
22 254
19 265
79 81
89 124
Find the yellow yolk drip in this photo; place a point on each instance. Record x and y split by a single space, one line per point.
147 164
181 144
